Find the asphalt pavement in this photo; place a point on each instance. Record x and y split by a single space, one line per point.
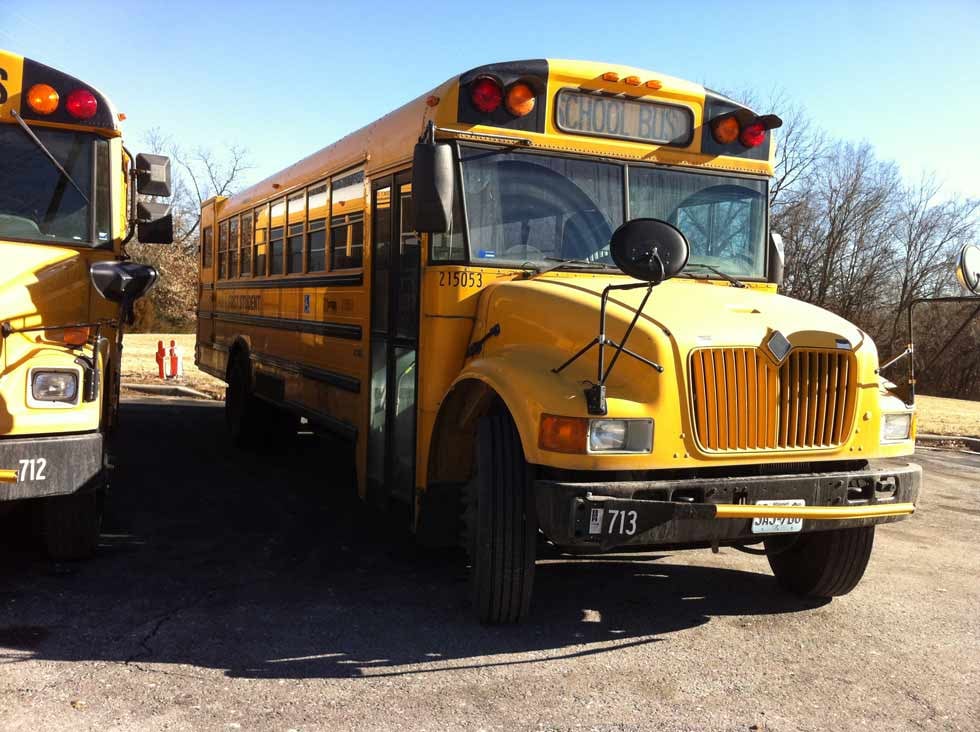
244 591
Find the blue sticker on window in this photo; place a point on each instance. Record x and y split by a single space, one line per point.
488 253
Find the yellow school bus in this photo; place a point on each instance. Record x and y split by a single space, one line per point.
542 302
68 205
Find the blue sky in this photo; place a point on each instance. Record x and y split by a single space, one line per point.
285 79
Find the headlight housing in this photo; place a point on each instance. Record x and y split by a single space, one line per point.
621 435
53 387
896 427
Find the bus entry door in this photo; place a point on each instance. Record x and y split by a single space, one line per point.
395 266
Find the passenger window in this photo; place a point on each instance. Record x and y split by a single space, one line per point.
233 247
261 240
347 220
223 250
207 246
295 217
316 255
246 261
277 219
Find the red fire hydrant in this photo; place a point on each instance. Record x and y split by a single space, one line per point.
161 353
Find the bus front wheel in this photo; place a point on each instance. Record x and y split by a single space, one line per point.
821 563
72 523
501 524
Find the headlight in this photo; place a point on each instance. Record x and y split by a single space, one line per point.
54 386
896 427
620 435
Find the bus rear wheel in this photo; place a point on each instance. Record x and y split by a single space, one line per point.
72 523
821 563
243 410
501 525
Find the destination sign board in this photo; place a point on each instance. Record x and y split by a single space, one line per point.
625 119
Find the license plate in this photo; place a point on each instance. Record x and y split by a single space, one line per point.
778 525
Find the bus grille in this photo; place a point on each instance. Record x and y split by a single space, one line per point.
743 402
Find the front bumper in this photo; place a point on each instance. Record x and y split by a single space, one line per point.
700 512
34 467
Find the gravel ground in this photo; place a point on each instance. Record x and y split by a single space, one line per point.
234 592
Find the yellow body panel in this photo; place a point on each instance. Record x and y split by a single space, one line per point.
543 320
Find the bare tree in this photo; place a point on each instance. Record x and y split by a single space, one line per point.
197 177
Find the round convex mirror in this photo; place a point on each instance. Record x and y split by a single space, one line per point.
968 268
649 249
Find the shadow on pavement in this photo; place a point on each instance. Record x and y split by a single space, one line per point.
255 565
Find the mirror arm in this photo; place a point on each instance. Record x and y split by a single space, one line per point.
910 350
131 188
595 395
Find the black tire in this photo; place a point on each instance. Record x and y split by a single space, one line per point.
501 525
246 416
821 563
72 523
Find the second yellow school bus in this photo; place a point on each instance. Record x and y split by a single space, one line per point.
440 315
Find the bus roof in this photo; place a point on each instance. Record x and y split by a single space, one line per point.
388 142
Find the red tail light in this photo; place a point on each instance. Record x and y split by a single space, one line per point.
486 94
82 104
753 135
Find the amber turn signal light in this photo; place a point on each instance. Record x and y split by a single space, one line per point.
43 98
725 130
520 99
75 336
563 434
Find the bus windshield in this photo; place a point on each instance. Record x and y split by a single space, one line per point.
528 209
38 203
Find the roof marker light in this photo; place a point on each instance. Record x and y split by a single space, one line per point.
632 80
486 94
520 99
610 76
43 98
654 84
725 129
82 104
753 135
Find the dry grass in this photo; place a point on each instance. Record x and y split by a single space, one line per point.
942 416
139 362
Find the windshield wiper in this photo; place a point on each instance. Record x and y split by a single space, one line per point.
560 262
52 158
723 275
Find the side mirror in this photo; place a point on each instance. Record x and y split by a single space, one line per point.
968 268
153 175
122 282
649 249
777 259
433 181
154 223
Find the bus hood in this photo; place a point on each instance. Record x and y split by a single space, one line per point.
681 315
42 283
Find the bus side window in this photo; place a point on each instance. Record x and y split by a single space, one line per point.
347 220
223 250
246 256
207 246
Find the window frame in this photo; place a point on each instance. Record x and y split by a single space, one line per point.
307 251
246 215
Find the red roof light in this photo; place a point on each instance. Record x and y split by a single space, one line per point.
82 104
486 94
753 135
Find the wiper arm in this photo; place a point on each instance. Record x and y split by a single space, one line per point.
52 158
560 262
723 275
